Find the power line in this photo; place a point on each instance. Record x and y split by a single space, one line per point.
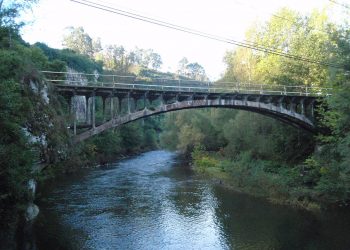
286 19
340 4
199 33
277 16
203 34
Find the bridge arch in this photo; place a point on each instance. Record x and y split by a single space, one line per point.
293 105
279 112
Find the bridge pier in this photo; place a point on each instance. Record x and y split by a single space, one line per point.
293 105
111 100
145 100
93 115
104 108
74 113
129 105
312 109
87 111
302 107
280 102
118 107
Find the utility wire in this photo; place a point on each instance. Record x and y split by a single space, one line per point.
203 34
281 17
206 35
340 4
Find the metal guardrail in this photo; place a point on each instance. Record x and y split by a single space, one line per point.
170 84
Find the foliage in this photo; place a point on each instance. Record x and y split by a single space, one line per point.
113 57
15 154
34 120
24 115
262 155
80 42
187 129
59 59
191 70
10 10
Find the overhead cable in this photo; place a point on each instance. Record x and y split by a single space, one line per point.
248 45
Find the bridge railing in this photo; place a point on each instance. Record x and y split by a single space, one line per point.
179 85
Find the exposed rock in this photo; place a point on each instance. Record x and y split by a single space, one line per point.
34 86
32 188
35 139
31 212
44 94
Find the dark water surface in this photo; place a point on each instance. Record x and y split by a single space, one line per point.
153 202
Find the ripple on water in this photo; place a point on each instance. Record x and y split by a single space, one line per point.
152 202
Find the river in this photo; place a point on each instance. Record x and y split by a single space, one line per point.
152 201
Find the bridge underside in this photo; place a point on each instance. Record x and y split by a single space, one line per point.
124 106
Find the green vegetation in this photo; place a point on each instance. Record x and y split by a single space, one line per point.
34 119
259 155
24 114
253 153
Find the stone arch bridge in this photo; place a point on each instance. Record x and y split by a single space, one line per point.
126 99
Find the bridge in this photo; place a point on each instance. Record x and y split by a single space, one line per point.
128 98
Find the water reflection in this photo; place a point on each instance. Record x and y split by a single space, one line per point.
150 202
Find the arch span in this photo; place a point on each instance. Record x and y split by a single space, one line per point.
290 104
283 111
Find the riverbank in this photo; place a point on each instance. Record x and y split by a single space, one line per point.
256 182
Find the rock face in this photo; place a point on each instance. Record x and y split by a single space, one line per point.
40 89
31 212
32 209
32 188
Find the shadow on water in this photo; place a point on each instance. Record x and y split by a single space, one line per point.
253 223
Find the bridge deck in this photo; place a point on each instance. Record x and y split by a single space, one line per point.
291 104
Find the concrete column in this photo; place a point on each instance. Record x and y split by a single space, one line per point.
104 108
302 107
74 113
69 102
111 106
145 101
129 103
87 120
120 100
312 104
258 100
161 99
292 105
93 111
280 102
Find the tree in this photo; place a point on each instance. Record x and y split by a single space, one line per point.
155 60
10 11
196 71
79 41
259 151
182 66
191 70
309 37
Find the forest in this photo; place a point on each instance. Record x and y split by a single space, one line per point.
259 155
250 152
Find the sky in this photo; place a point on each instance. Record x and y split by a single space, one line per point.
48 20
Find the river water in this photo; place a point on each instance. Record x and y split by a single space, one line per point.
154 202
